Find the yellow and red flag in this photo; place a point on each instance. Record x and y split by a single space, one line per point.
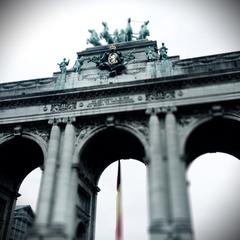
119 226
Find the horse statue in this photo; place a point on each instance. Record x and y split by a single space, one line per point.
105 34
94 39
144 32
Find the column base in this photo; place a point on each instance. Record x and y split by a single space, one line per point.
177 230
56 232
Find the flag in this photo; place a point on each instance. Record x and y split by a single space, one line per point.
119 226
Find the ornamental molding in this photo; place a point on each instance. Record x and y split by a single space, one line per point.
154 91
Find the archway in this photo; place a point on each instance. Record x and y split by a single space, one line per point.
19 156
134 201
103 148
214 137
219 134
214 192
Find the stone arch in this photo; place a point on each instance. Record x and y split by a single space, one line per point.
212 134
20 154
102 146
108 133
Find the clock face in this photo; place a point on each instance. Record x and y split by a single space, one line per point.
113 58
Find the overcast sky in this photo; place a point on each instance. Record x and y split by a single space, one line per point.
36 35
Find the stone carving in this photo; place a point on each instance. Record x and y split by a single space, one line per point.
126 35
144 32
62 107
94 38
78 64
43 133
105 34
128 31
151 54
119 36
17 131
112 60
157 95
63 65
163 53
140 126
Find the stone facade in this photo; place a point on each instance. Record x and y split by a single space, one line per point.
23 218
75 124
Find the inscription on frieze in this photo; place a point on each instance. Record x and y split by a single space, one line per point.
111 101
60 107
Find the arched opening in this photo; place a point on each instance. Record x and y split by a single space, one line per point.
134 201
214 183
107 146
29 189
217 135
19 156
101 150
212 153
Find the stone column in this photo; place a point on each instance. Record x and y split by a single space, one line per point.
157 180
60 206
72 201
180 209
48 178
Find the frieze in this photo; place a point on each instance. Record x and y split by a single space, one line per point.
62 107
158 95
111 101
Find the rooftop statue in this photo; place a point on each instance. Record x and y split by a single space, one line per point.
119 36
144 32
105 34
63 65
122 36
94 39
126 35
163 52
116 38
151 53
78 64
128 31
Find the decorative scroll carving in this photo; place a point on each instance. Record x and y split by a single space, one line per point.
158 95
140 126
62 107
41 132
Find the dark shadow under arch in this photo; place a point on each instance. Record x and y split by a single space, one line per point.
19 156
107 146
217 135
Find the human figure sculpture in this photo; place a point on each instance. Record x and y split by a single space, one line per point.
94 39
116 36
63 65
163 52
78 64
144 32
151 53
122 36
129 31
105 34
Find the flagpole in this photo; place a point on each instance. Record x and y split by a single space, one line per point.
119 225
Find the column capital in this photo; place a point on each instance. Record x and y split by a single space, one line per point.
69 120
153 111
169 109
54 121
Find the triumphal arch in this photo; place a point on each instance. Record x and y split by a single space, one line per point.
122 100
